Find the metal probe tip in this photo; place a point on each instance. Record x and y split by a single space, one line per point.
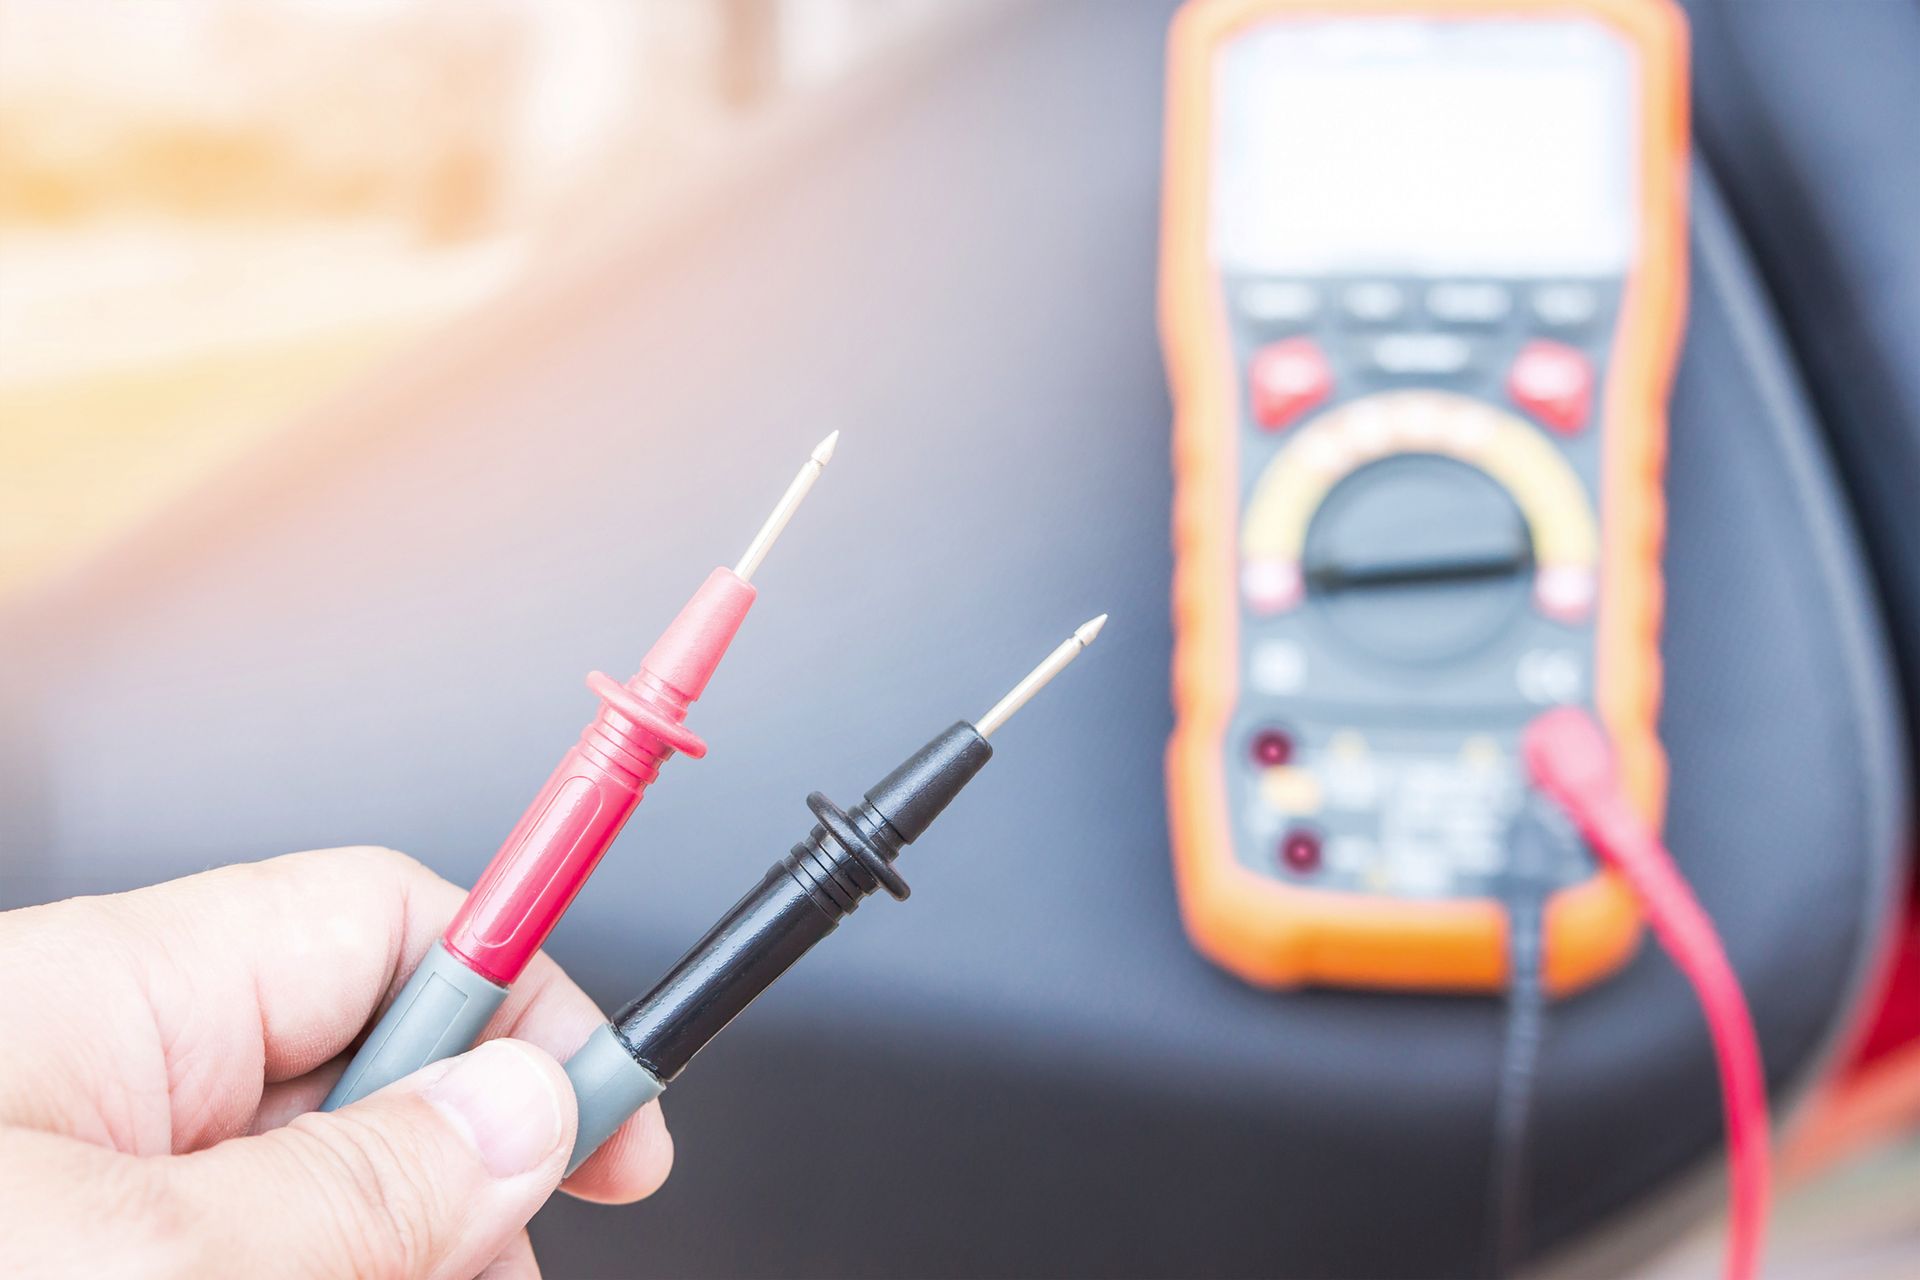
783 510
1036 679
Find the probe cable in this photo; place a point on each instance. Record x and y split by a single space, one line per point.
628 1061
1568 758
561 837
1535 835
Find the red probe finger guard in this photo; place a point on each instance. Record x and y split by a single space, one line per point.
565 831
1569 758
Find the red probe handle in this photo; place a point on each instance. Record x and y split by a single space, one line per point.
564 833
558 842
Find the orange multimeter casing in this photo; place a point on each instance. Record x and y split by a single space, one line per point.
1422 283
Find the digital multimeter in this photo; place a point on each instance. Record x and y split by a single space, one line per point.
1421 292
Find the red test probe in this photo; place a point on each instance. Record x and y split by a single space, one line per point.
565 831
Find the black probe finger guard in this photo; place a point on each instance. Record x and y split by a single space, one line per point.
798 902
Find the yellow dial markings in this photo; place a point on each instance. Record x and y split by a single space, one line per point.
1326 450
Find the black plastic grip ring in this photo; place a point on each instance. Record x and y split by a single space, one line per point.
841 828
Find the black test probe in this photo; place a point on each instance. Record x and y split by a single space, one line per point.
802 898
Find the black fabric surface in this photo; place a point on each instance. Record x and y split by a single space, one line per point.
377 635
1807 112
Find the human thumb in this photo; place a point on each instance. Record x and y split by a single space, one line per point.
429 1178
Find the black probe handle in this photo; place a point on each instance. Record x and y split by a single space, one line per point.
629 1061
800 900
753 944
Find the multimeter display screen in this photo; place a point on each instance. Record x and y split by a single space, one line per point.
1392 145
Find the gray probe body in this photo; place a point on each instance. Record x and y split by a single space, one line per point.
437 1014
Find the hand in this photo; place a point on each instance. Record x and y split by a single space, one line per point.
161 1052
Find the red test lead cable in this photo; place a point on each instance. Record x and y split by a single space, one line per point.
1569 759
561 837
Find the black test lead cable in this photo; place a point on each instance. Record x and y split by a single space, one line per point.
628 1062
1536 843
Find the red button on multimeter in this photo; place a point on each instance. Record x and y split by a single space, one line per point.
1285 379
1406 565
1553 382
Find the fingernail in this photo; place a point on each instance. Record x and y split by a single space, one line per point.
507 1106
